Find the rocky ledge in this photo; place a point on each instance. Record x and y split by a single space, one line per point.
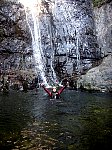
99 78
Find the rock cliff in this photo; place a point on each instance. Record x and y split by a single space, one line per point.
101 77
73 32
103 23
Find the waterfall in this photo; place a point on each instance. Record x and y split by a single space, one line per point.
78 54
73 30
32 9
53 74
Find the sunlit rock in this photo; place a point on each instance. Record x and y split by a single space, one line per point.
99 78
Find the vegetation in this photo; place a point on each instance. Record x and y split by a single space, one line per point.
98 3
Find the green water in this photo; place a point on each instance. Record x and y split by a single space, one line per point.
76 121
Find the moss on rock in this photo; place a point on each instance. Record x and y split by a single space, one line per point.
98 3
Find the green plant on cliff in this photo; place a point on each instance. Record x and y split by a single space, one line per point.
99 2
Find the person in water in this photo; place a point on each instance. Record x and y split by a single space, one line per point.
54 93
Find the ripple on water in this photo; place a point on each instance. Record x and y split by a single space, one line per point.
77 121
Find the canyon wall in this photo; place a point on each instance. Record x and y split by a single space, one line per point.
73 33
100 78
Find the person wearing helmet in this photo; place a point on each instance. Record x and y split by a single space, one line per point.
54 93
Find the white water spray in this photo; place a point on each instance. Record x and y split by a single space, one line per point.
32 9
78 55
53 74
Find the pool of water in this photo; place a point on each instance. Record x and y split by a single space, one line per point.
76 121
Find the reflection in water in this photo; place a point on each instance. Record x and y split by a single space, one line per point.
78 120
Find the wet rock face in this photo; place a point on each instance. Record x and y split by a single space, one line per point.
15 38
67 30
103 23
70 28
101 77
13 27
74 19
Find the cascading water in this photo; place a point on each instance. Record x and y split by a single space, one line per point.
32 9
67 34
78 55
72 30
53 74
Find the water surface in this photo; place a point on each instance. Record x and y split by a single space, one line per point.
76 121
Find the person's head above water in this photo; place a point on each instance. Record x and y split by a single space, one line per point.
54 89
